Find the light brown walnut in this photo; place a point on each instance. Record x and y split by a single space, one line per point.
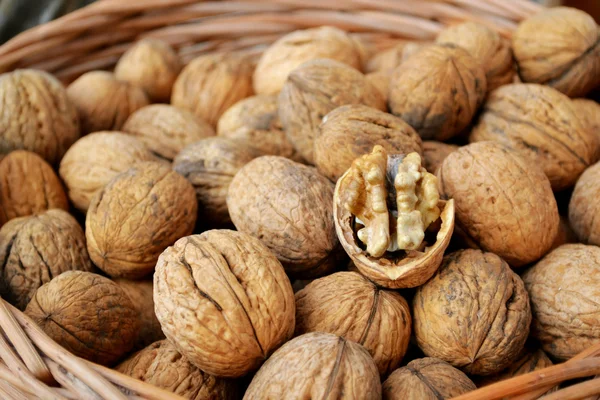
589 112
385 62
434 154
584 207
381 82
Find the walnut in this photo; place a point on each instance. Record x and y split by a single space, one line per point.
349 305
317 366
224 301
28 185
350 131
87 314
438 91
504 203
559 47
381 82
136 216
385 62
35 249
288 206
295 48
426 379
383 207
589 111
314 89
434 154
152 65
565 234
584 206
541 123
103 102
36 115
474 313
97 158
210 84
565 295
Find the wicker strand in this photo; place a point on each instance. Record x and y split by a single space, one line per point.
576 392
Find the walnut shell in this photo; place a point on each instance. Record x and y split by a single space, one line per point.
565 234
87 314
434 154
426 379
589 111
349 305
34 250
381 82
584 206
559 47
224 301
28 185
474 313
565 295
385 62
103 102
36 115
297 47
541 123
350 131
317 366
152 65
288 206
210 84
437 91
136 216
314 89
504 203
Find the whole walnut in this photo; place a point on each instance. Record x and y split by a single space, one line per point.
317 366
584 206
297 47
97 158
224 301
87 314
152 65
28 185
564 288
313 90
559 47
504 203
426 378
434 154
37 115
161 365
438 90
541 123
35 249
474 313
288 206
210 84
349 305
385 62
103 102
138 214
350 131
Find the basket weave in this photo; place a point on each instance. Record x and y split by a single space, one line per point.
31 364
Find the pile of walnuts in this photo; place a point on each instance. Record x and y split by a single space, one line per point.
321 222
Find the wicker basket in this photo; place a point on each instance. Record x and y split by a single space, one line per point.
31 364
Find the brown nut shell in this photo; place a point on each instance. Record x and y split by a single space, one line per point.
584 206
385 62
589 111
434 154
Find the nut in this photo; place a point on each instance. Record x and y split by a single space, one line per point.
381 82
474 313
584 206
588 112
224 301
349 305
87 314
136 216
434 154
317 366
385 62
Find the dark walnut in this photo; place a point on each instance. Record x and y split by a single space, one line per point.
565 295
34 250
426 379
224 301
584 206
313 90
348 304
87 314
504 202
161 365
434 154
390 220
288 206
317 366
36 115
438 91
474 313
28 185
559 47
103 102
351 131
136 216
543 124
